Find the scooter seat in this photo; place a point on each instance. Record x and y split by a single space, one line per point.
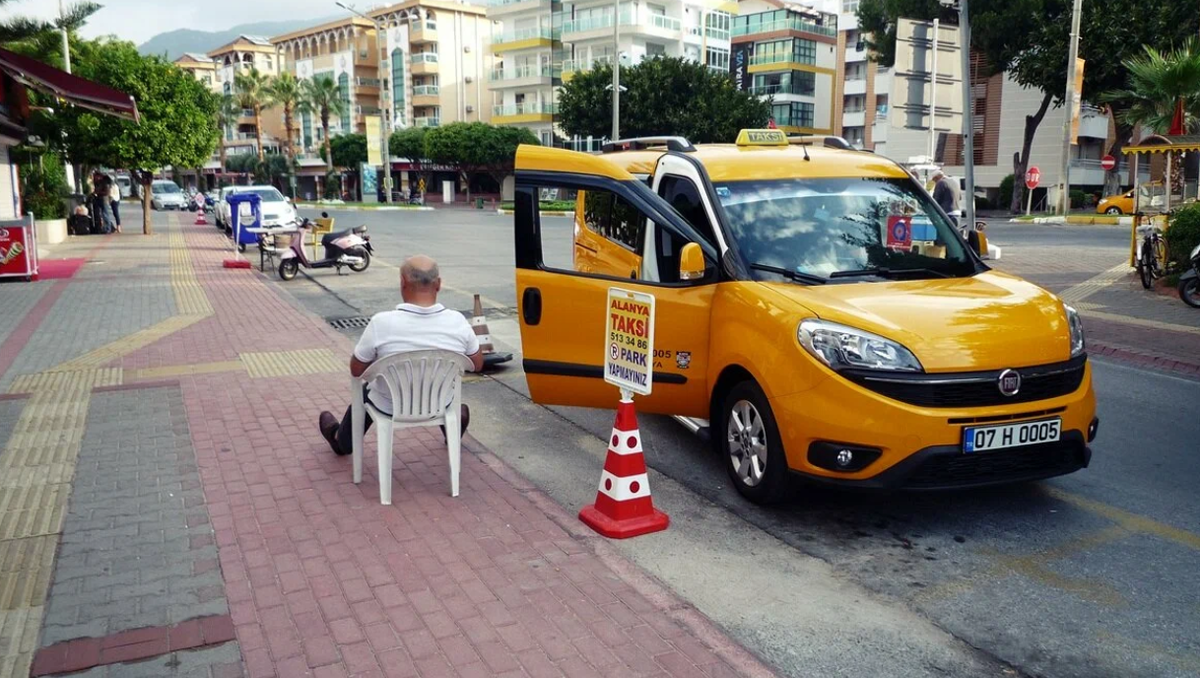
330 237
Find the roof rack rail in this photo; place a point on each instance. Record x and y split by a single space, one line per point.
828 141
679 144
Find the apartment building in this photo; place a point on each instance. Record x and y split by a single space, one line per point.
238 56
540 44
201 67
789 54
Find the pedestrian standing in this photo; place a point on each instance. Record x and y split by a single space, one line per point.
103 203
946 195
114 199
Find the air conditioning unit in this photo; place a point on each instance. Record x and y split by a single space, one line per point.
467 48
470 109
468 79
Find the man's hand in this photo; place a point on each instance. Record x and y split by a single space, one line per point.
357 367
476 359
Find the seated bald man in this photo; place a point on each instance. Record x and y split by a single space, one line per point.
418 324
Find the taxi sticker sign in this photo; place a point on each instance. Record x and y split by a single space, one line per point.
629 340
762 137
899 232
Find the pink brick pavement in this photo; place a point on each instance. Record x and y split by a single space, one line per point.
322 580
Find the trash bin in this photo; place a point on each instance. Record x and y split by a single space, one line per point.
245 211
478 203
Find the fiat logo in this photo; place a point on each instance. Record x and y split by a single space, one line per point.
1009 382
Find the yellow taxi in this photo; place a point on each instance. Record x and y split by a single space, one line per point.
1121 203
816 315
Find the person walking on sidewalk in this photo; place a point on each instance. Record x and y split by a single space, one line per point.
418 324
114 200
945 194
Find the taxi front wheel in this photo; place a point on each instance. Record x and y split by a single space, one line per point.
750 445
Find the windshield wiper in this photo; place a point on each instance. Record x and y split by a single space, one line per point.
791 274
885 272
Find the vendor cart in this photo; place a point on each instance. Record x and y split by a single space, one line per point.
1153 201
18 249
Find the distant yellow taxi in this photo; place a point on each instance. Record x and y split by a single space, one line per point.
816 315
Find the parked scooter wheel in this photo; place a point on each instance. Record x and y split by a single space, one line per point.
366 261
1189 291
288 269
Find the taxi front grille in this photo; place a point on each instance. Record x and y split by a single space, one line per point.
1002 466
974 389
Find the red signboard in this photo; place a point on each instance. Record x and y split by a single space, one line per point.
899 232
1108 162
1033 176
15 257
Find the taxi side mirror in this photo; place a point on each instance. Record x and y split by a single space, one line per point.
691 262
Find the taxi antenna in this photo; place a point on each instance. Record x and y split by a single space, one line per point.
804 147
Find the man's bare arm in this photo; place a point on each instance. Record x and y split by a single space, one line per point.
476 359
357 367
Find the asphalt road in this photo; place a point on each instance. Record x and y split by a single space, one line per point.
1088 575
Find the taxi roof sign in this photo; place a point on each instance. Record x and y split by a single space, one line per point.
762 137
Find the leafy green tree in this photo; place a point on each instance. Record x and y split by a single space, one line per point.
472 147
410 143
254 92
349 150
321 95
41 39
663 96
176 116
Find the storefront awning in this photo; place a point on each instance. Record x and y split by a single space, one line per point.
43 77
1165 143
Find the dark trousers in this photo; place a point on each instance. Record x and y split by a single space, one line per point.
116 208
345 432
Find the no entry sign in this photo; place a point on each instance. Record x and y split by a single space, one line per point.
1033 176
629 340
1108 162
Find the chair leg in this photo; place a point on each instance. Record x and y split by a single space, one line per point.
357 422
385 462
454 447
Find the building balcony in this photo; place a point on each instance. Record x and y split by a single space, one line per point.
426 95
530 111
423 31
425 63
853 53
797 24
1093 122
505 7
523 76
779 61
524 38
427 121
854 118
572 66
782 90
857 85
654 25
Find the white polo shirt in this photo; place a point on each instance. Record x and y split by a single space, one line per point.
412 328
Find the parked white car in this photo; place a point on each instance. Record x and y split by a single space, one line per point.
277 210
165 194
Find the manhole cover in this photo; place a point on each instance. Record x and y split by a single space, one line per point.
347 323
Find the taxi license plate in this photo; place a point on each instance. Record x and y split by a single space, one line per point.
985 438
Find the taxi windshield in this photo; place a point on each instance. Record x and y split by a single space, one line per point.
853 228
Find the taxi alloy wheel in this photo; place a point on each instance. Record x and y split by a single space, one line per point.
751 445
1113 210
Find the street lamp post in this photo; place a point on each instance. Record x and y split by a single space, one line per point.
384 88
616 83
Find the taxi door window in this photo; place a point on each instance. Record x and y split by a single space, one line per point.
683 195
609 215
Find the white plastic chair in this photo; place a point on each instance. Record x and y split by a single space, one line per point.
426 388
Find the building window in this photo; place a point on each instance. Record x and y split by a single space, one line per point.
796 50
793 114
792 82
717 59
344 88
717 24
306 129
401 109
654 49
849 6
691 53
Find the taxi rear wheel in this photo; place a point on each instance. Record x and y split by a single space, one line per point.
750 446
1113 210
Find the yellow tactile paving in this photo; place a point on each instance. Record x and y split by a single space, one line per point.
190 298
32 511
25 568
1087 288
292 363
168 371
18 639
128 344
76 381
42 474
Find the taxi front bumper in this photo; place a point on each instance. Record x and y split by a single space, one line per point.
920 447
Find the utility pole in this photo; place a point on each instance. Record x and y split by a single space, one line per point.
384 118
968 208
66 44
616 83
933 95
1064 182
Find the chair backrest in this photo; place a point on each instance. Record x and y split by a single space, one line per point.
422 383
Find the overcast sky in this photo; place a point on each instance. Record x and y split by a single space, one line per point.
140 20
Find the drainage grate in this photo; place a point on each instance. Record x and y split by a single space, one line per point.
347 323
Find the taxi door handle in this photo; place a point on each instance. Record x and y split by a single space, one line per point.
531 306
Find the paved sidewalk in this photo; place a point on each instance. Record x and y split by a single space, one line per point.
168 508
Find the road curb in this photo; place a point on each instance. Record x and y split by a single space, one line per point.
1130 356
655 592
556 213
357 208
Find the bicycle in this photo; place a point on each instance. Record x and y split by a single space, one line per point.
1151 262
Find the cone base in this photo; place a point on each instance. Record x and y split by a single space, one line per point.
655 521
236 263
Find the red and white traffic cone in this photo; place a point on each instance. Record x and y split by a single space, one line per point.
623 505
200 220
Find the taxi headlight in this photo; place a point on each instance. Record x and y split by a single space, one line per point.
1076 325
841 346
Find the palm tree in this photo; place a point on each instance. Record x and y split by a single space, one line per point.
1164 94
285 91
325 98
228 112
254 92
34 36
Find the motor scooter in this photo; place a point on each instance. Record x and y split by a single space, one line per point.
1189 282
350 248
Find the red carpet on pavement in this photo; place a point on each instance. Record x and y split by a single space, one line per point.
51 269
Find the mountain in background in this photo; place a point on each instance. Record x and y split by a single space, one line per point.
175 43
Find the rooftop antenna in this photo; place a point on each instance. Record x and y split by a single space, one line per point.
804 147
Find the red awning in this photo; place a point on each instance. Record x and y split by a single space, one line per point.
85 93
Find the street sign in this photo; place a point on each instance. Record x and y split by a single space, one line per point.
1108 162
1033 176
629 340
